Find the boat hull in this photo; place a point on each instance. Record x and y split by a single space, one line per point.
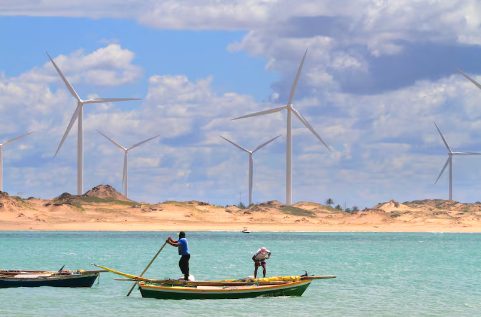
54 281
169 292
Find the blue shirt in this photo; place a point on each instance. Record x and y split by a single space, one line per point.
183 247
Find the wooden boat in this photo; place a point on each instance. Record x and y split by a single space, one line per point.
221 289
165 291
245 230
20 278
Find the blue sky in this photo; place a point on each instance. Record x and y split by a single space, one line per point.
196 54
376 77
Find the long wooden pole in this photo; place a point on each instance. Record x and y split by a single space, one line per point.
146 268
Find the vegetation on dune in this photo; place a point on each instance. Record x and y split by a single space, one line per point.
80 201
172 202
63 200
90 199
297 211
241 206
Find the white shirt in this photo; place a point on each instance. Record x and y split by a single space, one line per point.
259 256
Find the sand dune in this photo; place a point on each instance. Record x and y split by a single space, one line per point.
103 208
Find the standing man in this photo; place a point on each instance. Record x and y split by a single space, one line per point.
183 252
260 260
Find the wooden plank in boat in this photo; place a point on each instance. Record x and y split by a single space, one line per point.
31 275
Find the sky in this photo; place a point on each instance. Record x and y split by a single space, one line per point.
377 75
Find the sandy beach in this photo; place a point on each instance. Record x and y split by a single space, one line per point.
104 209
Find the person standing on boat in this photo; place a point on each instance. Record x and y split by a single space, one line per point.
183 252
260 260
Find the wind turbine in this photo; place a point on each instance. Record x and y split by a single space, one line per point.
1 157
126 150
450 162
251 164
78 114
290 109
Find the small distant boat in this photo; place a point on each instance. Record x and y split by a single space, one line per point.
20 278
221 289
245 230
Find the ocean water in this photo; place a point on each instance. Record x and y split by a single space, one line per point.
378 274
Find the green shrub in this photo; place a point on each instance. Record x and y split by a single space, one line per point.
297 211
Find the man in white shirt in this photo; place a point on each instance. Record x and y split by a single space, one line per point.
260 260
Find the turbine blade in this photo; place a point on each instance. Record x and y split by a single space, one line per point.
444 140
19 137
103 100
466 153
264 144
447 162
115 143
140 143
70 88
469 78
260 113
303 120
72 121
294 85
238 146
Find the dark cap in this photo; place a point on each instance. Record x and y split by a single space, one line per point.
181 234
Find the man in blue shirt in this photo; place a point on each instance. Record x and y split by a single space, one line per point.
183 252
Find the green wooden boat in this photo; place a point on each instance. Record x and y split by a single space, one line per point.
165 291
221 289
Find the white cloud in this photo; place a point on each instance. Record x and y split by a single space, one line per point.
374 23
107 66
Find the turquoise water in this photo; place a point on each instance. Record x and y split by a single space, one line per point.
379 274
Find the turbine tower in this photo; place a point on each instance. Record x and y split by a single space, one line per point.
126 150
290 109
450 162
251 164
78 114
1 157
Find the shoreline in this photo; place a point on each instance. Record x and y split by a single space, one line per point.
229 227
104 209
